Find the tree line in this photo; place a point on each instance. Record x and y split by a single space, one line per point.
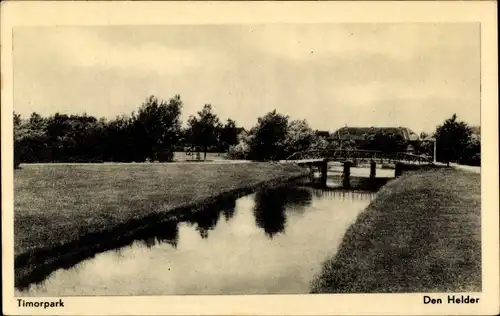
155 132
276 137
152 133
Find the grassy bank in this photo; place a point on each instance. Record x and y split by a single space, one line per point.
420 234
59 209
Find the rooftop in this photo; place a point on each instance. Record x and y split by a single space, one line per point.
358 132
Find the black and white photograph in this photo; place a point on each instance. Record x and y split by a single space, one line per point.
247 159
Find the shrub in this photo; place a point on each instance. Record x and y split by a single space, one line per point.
239 151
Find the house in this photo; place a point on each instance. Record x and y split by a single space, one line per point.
358 134
325 134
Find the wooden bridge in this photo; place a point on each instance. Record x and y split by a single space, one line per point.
361 156
320 158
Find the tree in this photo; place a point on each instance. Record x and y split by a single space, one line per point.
240 150
158 128
228 135
274 137
17 139
267 137
17 119
299 137
203 130
321 143
121 142
452 140
382 141
473 150
152 133
425 145
58 136
32 143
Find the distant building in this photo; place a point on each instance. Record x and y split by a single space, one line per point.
240 130
323 133
358 134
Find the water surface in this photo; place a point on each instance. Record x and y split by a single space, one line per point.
271 242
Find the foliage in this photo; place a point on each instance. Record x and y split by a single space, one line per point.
228 135
155 132
383 141
425 145
349 144
122 142
241 149
267 137
17 139
30 138
274 137
299 137
472 151
238 151
158 127
150 134
453 141
203 130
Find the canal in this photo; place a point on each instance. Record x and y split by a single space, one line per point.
271 242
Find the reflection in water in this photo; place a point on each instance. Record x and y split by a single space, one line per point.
149 242
269 212
207 218
229 211
202 254
346 195
161 233
270 205
168 234
297 198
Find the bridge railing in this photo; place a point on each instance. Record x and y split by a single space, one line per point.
345 154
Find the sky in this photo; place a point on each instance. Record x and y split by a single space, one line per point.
414 75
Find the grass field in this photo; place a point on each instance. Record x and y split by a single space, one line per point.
422 233
57 204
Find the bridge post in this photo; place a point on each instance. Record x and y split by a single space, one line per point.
373 169
346 175
399 169
311 172
324 171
